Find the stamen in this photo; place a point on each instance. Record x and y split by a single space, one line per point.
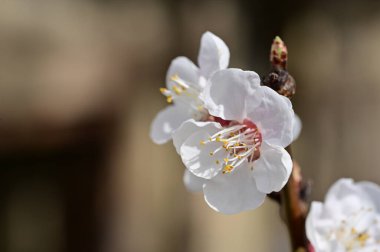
362 238
177 90
240 142
179 81
164 91
169 99
181 92
349 235
227 169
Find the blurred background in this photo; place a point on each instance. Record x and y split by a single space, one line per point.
79 88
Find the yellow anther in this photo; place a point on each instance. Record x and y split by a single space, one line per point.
362 238
227 169
169 99
217 162
225 146
174 77
211 153
226 160
163 90
218 139
177 90
202 143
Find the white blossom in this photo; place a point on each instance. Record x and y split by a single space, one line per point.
184 84
348 220
238 155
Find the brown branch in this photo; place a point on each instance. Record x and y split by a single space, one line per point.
292 198
295 208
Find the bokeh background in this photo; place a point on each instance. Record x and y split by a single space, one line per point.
79 88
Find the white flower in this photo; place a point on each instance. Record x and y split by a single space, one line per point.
239 157
348 220
184 84
297 127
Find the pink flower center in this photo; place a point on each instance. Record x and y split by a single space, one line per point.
241 142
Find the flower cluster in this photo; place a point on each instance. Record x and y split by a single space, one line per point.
348 220
230 131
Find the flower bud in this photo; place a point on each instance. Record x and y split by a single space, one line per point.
280 81
278 53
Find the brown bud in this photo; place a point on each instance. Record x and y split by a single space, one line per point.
280 81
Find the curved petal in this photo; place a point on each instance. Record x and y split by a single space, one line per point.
192 182
196 153
372 190
348 206
213 54
228 91
232 193
184 69
314 213
345 197
272 170
316 227
166 121
297 127
188 128
371 248
274 117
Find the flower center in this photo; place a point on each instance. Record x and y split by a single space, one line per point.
357 230
240 142
182 92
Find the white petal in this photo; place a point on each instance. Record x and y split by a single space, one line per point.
188 128
232 193
371 248
372 190
166 121
272 170
213 54
192 182
186 70
228 91
345 197
317 228
297 127
196 155
314 213
274 117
